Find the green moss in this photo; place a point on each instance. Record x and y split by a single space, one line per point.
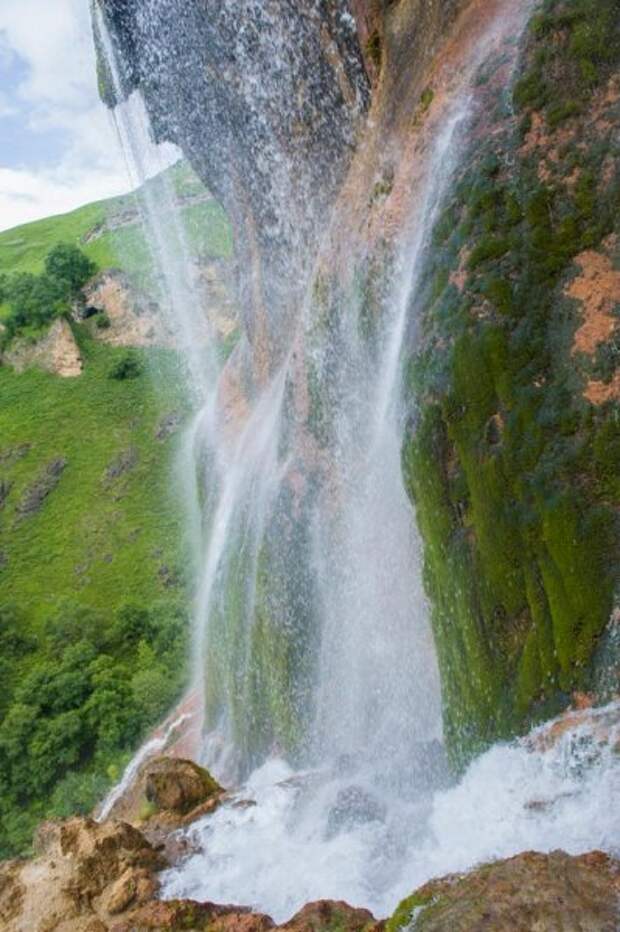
575 47
261 648
426 98
407 911
514 477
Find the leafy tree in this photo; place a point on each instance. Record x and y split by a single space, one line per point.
73 709
71 622
15 642
68 265
132 625
33 300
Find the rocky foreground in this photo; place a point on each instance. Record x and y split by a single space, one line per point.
90 876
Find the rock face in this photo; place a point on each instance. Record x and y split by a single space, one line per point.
544 892
279 92
512 456
512 451
130 318
56 352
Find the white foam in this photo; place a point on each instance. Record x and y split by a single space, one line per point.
280 854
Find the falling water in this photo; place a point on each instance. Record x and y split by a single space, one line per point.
295 846
361 808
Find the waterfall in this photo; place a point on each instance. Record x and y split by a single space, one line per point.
312 651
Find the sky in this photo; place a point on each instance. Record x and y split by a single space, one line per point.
58 147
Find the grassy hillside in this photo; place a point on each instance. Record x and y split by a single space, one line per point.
110 234
110 524
94 592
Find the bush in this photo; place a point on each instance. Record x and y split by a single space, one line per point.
33 300
127 367
69 266
79 704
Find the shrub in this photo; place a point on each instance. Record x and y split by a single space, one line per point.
127 367
33 300
70 267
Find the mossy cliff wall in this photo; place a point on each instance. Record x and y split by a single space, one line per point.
512 456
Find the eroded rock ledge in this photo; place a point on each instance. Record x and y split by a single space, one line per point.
102 877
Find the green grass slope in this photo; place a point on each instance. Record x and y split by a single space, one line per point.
104 233
94 589
110 525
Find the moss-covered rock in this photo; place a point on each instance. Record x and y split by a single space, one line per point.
262 644
520 517
530 891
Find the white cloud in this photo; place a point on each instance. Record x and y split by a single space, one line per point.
26 195
58 93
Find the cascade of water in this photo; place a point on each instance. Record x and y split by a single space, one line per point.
368 656
163 226
295 846
364 823
378 685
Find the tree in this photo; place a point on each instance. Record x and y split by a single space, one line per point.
69 266
33 300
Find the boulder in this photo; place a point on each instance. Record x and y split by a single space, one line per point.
327 914
84 872
542 892
178 786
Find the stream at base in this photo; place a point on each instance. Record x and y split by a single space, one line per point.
290 838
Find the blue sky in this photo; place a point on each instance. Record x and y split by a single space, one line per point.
58 148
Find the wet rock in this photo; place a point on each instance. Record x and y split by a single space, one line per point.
186 914
178 785
36 494
353 806
542 892
327 915
597 728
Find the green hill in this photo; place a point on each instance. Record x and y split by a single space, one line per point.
110 232
93 581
